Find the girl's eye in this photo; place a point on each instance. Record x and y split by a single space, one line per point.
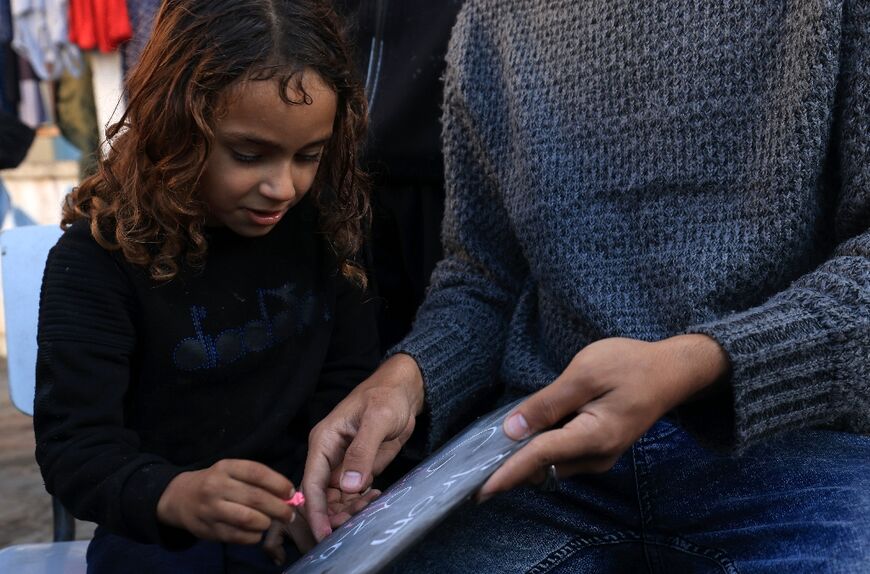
310 157
245 158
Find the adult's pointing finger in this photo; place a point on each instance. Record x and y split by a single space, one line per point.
379 425
323 446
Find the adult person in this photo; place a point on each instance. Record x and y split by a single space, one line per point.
657 225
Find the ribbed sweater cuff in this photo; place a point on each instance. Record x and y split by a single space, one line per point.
443 360
784 375
139 498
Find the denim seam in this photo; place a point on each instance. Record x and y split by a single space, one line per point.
559 556
640 464
682 545
651 541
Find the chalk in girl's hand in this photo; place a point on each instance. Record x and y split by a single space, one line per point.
296 500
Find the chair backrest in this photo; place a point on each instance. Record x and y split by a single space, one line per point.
24 251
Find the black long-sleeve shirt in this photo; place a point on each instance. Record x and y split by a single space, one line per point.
139 381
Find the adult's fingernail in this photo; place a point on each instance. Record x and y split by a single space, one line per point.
351 480
516 427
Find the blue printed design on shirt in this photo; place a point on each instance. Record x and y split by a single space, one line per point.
208 351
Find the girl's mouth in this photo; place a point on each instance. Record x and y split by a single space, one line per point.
260 217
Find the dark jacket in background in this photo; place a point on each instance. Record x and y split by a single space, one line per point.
403 154
15 140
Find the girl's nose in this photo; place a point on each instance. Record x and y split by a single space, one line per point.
280 186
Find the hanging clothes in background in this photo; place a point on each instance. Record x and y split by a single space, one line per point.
142 16
99 24
100 27
31 108
76 116
40 36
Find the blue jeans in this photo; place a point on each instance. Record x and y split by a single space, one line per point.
112 554
797 504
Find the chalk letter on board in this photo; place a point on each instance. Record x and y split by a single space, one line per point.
392 531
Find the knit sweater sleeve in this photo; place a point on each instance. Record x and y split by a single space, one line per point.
802 358
458 337
86 342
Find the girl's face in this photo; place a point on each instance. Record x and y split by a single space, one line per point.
265 154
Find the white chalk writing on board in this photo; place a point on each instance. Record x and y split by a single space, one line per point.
416 503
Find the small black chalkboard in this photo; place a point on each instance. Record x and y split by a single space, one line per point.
415 504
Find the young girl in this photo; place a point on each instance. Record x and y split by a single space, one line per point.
203 308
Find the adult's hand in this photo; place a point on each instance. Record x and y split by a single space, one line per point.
232 501
361 435
611 393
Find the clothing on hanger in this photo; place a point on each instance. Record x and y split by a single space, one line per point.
31 108
40 35
76 115
142 16
99 24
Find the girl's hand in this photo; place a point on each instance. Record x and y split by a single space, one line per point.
341 506
611 393
298 531
232 501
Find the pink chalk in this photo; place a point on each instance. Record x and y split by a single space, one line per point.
296 500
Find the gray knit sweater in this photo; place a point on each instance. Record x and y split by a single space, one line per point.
644 169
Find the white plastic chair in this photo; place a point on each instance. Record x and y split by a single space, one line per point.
24 251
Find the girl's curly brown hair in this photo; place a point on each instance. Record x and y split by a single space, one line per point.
143 200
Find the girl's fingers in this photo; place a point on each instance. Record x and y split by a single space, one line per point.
366 499
241 517
300 533
259 475
273 543
342 511
231 534
258 499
